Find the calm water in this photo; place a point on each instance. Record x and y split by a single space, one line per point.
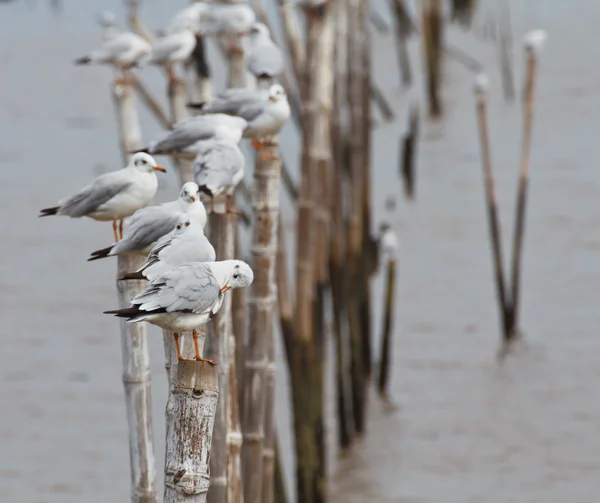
465 429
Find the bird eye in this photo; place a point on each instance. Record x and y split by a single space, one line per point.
187 224
236 276
178 226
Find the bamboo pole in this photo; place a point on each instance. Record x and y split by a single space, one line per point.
261 309
409 152
134 344
235 489
177 92
294 40
198 71
432 32
216 347
490 197
462 11
533 43
384 363
195 395
403 30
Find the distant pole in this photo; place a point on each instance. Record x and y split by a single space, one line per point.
403 30
533 43
134 343
432 29
386 338
490 199
195 394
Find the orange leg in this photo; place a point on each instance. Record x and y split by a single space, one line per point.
212 204
179 357
195 334
228 208
121 228
257 144
115 230
171 73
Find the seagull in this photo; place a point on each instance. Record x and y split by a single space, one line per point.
148 225
265 113
218 168
115 195
188 16
186 297
186 243
388 242
187 132
265 59
233 20
175 47
123 50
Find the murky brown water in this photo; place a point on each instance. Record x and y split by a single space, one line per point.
466 429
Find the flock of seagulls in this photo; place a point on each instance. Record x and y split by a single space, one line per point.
186 283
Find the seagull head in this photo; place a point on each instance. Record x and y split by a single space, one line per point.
145 163
240 275
277 93
183 224
107 19
259 30
189 193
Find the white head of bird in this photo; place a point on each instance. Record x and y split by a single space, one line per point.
237 274
189 193
107 19
144 163
258 31
277 93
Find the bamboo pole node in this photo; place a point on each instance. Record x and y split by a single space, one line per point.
235 438
254 437
263 251
269 453
260 365
146 376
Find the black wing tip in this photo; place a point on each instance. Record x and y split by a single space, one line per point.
84 60
197 106
132 275
205 190
98 254
129 312
46 212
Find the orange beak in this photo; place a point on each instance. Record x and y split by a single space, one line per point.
193 198
160 168
224 289
272 98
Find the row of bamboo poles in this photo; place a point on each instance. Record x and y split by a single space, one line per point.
221 438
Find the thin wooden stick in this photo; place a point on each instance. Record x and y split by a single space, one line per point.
195 396
533 42
222 228
403 30
432 23
409 152
134 343
386 342
150 102
490 197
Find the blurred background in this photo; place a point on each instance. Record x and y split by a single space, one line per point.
460 427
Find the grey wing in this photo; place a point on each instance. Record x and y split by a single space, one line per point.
266 59
113 48
153 257
241 93
164 48
91 197
217 164
189 288
146 229
188 133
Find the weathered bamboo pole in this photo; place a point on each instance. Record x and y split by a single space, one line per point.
403 31
462 11
386 342
409 152
432 29
533 42
492 210
261 310
235 489
281 494
355 218
195 394
134 344
294 40
216 348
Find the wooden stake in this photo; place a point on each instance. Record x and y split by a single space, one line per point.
195 395
134 343
386 343
403 31
533 41
490 197
409 152
216 348
432 23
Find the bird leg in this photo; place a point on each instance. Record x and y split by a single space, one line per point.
198 357
234 47
228 208
121 229
115 230
179 357
212 203
171 74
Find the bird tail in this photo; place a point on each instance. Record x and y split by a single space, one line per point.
98 254
130 312
196 106
133 275
46 212
84 60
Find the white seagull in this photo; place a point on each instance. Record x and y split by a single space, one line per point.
265 113
148 225
232 20
121 50
187 132
115 195
218 168
265 59
186 243
175 47
187 297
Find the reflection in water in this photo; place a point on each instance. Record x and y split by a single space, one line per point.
466 429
